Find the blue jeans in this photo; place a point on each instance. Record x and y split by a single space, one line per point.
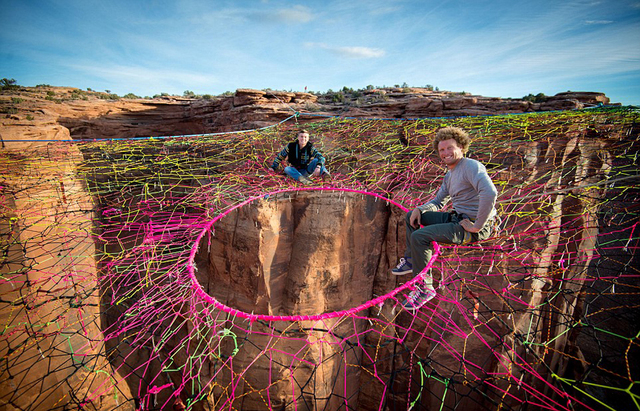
305 171
440 227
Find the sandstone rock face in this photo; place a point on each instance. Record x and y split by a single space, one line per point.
299 253
251 109
295 254
585 97
51 284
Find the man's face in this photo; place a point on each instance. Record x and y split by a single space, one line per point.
450 152
303 139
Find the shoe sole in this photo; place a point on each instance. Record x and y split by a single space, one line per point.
413 309
401 272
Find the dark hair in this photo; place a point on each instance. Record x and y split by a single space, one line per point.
456 133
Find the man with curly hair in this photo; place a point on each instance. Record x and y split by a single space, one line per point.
473 197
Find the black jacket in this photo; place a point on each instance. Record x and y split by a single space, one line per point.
298 158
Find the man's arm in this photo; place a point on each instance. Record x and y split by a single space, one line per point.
441 198
316 154
435 204
279 157
487 195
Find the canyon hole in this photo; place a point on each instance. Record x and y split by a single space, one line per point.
302 252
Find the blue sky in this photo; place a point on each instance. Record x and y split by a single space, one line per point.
492 48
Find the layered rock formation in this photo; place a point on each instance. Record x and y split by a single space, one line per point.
93 118
297 254
266 245
51 342
300 253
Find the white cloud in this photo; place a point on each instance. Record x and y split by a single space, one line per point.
135 78
354 52
294 15
598 22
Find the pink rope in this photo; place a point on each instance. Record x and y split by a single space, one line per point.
199 291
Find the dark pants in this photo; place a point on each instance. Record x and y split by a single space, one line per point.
441 228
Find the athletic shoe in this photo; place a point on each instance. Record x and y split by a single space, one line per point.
403 267
418 297
305 180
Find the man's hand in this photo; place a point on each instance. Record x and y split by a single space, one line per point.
414 220
468 226
316 172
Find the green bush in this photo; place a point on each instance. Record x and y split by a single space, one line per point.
538 98
130 95
108 96
78 94
338 97
8 84
17 100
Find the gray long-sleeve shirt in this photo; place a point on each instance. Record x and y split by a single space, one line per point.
470 189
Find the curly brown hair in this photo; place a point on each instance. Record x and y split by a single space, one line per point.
459 135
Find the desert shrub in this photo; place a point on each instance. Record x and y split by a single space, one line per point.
78 94
538 98
8 84
108 96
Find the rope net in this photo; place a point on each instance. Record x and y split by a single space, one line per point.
130 280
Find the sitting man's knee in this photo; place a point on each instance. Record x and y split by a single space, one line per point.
421 238
407 216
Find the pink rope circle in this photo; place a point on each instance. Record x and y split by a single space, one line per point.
200 293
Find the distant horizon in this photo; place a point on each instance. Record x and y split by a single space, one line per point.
200 95
494 49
